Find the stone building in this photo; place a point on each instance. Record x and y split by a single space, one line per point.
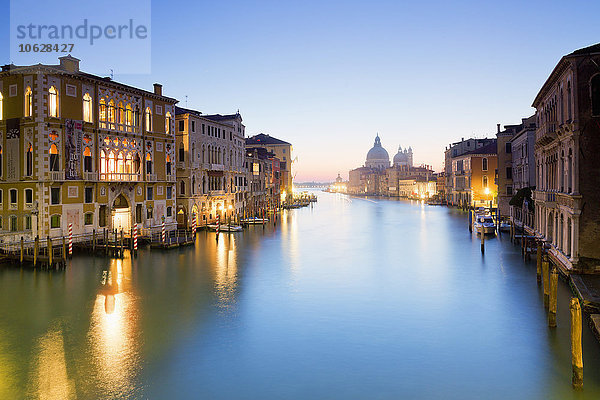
263 181
567 142
403 158
211 172
282 150
83 150
522 146
378 157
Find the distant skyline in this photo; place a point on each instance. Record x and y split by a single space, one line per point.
329 76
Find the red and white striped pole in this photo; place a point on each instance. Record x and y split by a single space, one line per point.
193 224
70 240
163 230
218 223
135 235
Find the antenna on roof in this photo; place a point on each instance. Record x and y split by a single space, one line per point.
112 76
186 101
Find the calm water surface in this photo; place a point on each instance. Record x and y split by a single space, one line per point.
353 299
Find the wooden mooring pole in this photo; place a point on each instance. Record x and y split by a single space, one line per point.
22 250
36 250
482 241
49 248
553 298
545 279
538 262
576 350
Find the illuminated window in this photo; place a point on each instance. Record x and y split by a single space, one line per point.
87 107
148 163
168 165
111 162
120 163
87 160
484 164
128 117
168 123
128 163
53 102
103 162
485 181
28 102
148 119
54 161
29 161
112 114
120 114
136 163
102 114
1 103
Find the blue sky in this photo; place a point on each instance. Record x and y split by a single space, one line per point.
327 76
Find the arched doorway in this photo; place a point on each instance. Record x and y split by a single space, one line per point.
121 214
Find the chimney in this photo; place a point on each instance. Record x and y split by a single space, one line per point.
498 125
69 63
158 89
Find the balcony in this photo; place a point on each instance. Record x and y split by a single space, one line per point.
56 175
574 202
171 178
90 176
151 178
119 177
547 197
215 167
216 192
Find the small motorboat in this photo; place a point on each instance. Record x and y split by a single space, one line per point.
255 220
504 225
484 223
224 228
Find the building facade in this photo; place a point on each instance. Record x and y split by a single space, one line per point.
282 150
522 147
211 166
567 142
82 150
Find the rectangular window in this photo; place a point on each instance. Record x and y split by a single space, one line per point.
203 129
89 194
149 213
138 213
508 147
169 211
13 223
88 219
484 164
509 190
102 216
27 221
169 192
150 193
13 196
508 172
193 126
55 221
28 196
181 126
55 195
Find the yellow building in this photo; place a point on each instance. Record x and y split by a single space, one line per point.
282 150
83 150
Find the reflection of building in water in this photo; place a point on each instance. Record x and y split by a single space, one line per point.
226 271
114 331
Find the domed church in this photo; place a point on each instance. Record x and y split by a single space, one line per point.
377 157
403 158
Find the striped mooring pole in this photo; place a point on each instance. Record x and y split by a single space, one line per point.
218 223
163 231
193 224
70 240
135 235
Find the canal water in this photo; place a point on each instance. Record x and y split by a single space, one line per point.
352 299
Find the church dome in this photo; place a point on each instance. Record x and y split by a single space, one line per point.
403 157
378 157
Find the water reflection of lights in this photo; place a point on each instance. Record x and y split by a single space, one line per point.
289 235
113 332
226 269
50 379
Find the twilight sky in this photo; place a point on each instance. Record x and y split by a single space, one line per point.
328 75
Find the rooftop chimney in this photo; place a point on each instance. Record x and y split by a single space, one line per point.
158 89
69 63
498 125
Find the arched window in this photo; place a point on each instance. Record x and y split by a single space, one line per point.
28 102
87 107
484 164
485 181
136 163
128 117
87 160
120 114
120 163
182 188
136 116
193 158
128 163
103 163
193 185
181 152
169 168
112 114
148 119
102 114
203 151
29 160
54 158
203 184
596 95
168 123
111 163
148 163
53 102
569 101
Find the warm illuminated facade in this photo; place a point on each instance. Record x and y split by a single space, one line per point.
473 181
211 172
567 143
280 149
83 150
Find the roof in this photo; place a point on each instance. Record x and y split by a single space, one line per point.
263 139
181 110
595 48
491 148
219 117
